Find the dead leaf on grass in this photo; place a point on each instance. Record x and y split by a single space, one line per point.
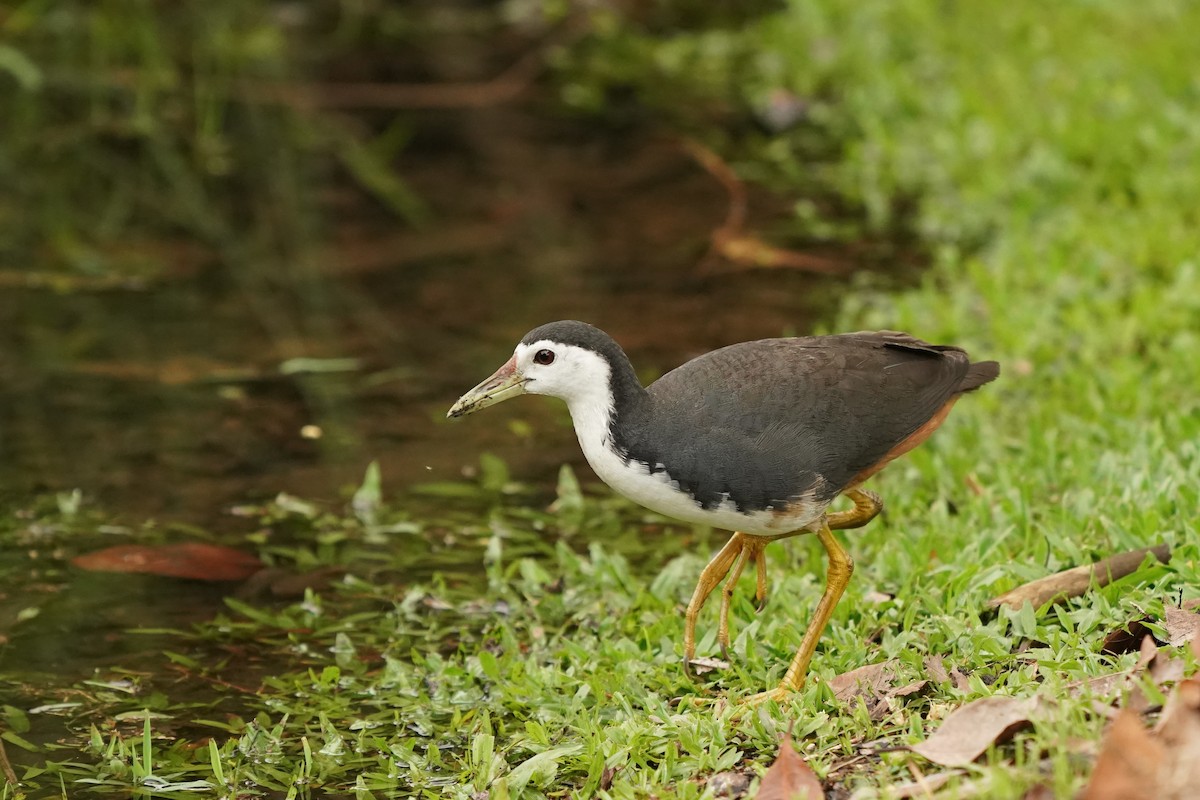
703 666
916 687
973 728
1128 764
961 681
1167 669
1163 764
194 560
1126 639
1075 581
936 669
1182 626
866 681
789 778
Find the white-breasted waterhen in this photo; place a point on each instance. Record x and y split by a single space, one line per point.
756 438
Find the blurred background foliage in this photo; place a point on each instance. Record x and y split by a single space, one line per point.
130 124
141 134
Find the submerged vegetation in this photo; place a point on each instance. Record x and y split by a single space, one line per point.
1043 154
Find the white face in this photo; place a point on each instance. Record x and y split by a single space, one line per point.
563 370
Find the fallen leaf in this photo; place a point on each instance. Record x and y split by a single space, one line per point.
1182 626
1039 791
789 778
1075 581
1166 669
915 687
936 669
865 681
1179 732
1146 653
1126 639
1129 761
961 681
704 665
194 560
1163 764
973 728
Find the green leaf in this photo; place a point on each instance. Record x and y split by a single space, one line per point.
369 497
27 74
540 769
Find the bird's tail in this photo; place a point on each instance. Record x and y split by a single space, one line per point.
978 374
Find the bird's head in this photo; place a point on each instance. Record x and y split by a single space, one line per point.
569 360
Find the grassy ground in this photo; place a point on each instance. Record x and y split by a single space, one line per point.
1051 152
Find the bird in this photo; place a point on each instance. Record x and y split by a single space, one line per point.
758 438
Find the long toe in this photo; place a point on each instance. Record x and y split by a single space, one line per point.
780 694
710 578
760 578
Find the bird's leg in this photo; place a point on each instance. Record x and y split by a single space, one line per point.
867 506
841 566
760 583
752 547
709 578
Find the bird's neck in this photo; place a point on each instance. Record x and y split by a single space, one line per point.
595 413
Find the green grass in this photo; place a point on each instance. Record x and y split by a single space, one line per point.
1049 151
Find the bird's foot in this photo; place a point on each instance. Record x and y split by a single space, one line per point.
779 694
752 549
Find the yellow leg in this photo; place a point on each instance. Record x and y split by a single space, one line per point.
760 584
709 578
867 506
841 566
752 547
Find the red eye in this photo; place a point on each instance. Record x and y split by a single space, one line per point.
544 357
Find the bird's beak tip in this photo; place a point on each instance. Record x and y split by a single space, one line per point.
505 383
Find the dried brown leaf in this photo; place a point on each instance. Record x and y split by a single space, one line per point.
1128 765
1126 639
961 681
1182 626
973 728
703 665
865 681
1146 653
1077 580
936 669
1165 669
916 687
1163 764
789 778
194 560
1179 731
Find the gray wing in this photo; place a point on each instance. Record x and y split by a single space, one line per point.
765 422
